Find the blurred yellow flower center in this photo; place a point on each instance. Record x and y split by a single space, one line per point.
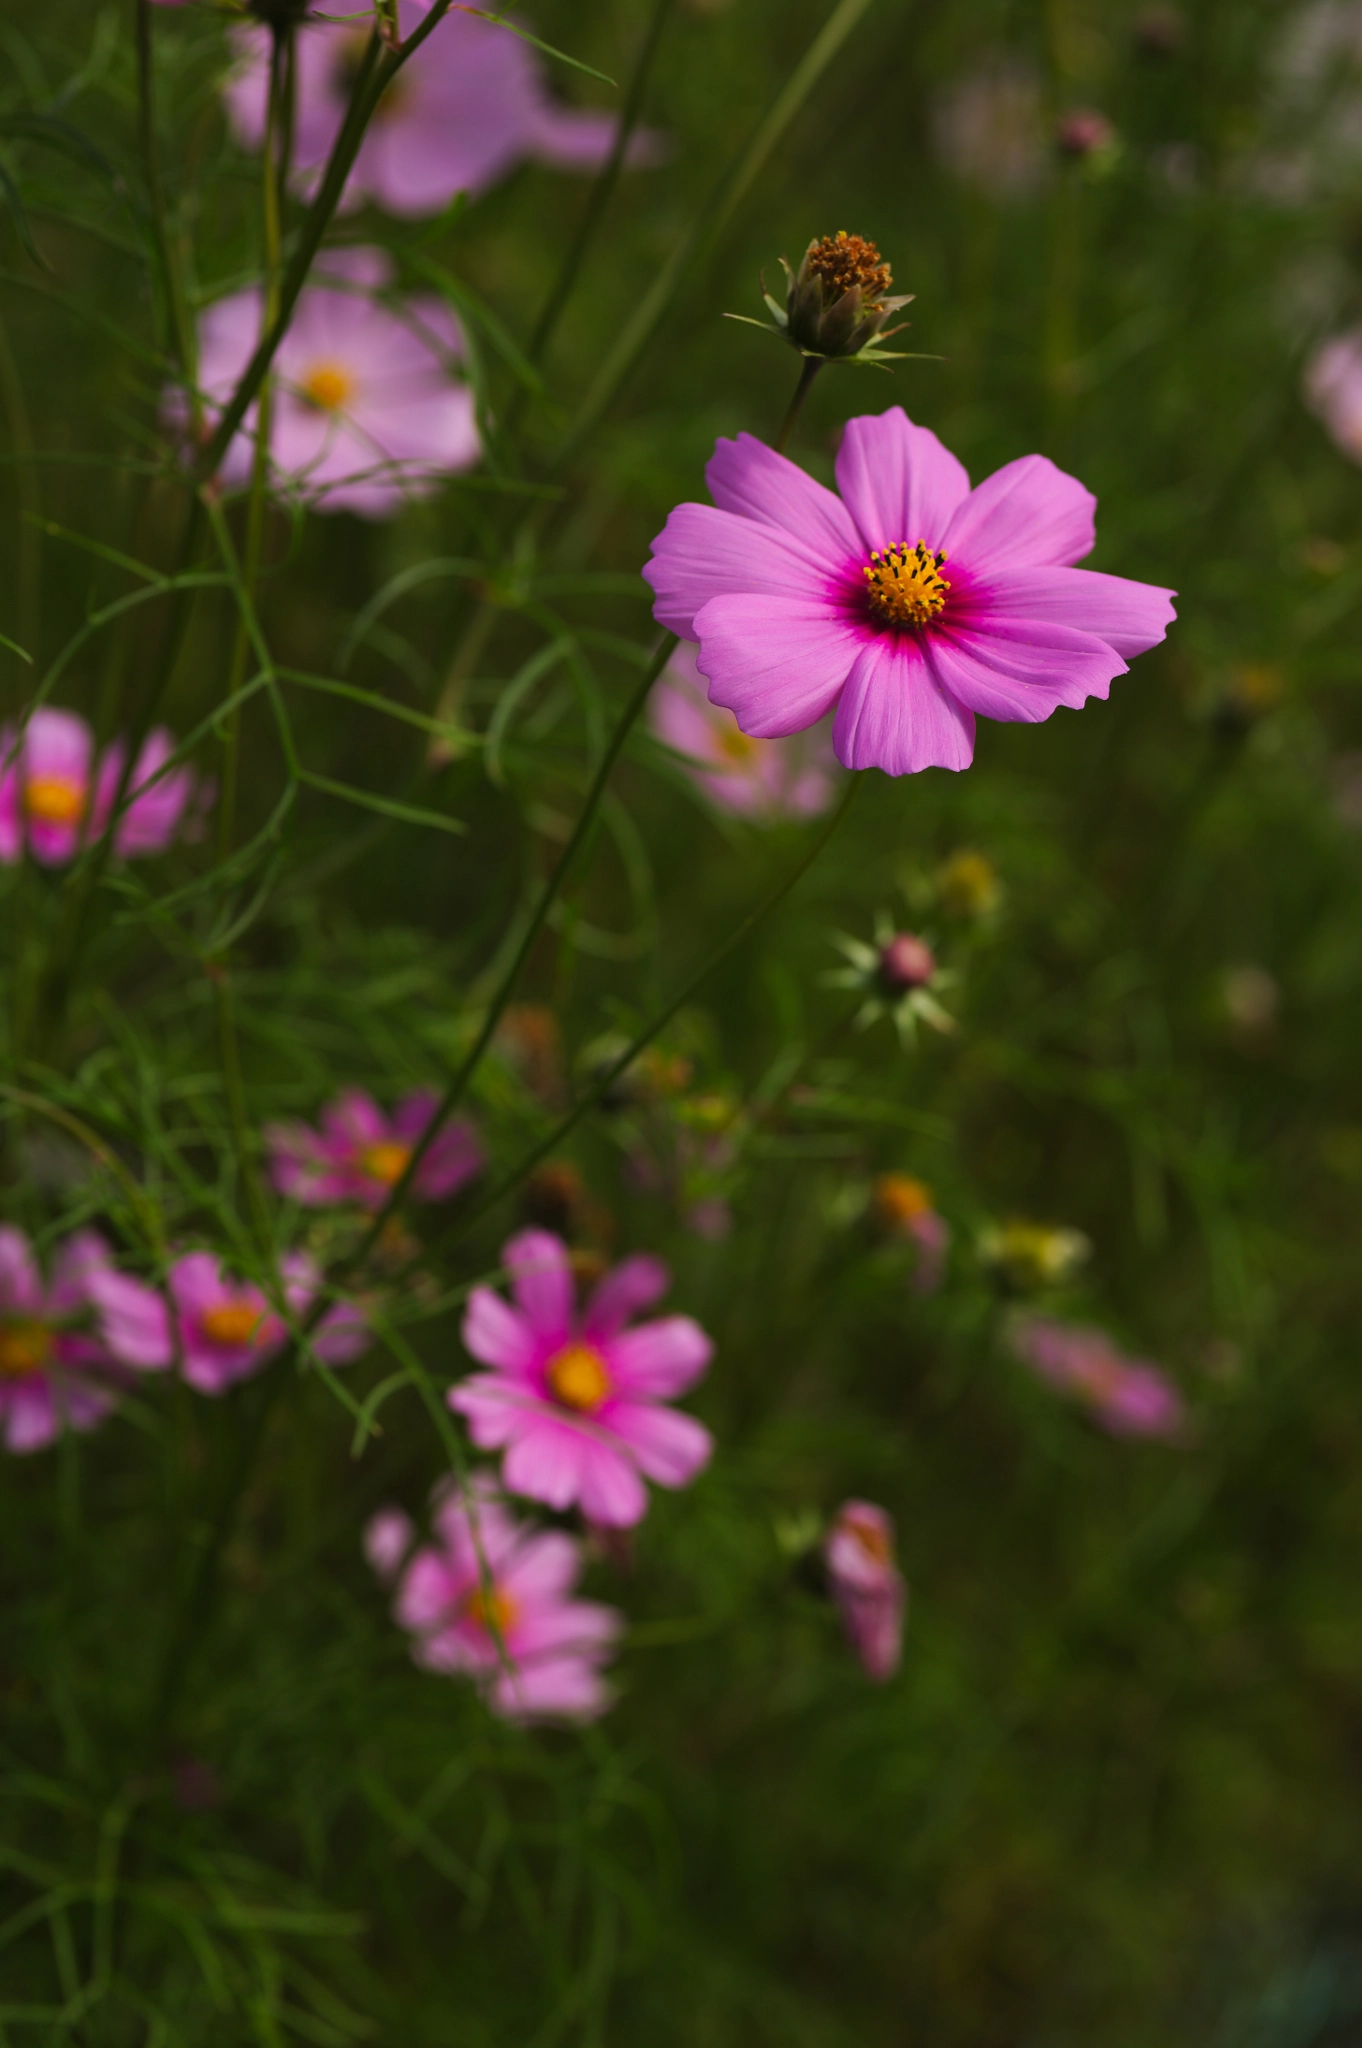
898 1198
56 799
903 585
386 1161
24 1348
491 1609
871 1539
232 1323
735 745
577 1377
328 386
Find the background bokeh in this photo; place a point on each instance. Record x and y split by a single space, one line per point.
1114 1792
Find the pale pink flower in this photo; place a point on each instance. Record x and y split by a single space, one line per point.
490 1601
909 603
858 1555
359 1154
1333 390
68 1345
54 796
228 1331
576 1399
388 1536
368 412
469 105
1126 1396
764 779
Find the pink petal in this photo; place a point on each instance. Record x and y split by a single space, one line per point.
747 477
544 1568
1129 616
898 481
133 1321
895 715
670 1448
703 553
635 1284
776 665
580 1625
1026 515
610 1490
547 1460
541 1280
30 1415
81 1257
1019 670
426 1592
355 1117
195 1283
388 1536
493 1409
566 1688
658 1359
21 1287
496 1334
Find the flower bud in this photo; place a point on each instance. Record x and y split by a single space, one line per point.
837 302
906 962
1085 136
867 1585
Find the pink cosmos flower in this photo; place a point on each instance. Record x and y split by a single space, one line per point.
490 1601
1126 1396
53 796
388 1536
576 1400
910 602
858 1554
367 413
359 1154
466 108
65 1345
228 1331
765 779
1333 390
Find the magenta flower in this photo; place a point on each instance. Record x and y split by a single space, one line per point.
576 1401
763 779
228 1331
1126 1396
466 108
66 1347
866 1583
367 411
1333 390
490 1601
910 602
54 798
359 1154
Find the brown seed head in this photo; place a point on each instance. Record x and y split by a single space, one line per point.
844 260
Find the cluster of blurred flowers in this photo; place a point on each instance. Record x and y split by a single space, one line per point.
56 796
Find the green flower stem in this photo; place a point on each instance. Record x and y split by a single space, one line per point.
811 366
177 312
458 1083
606 1081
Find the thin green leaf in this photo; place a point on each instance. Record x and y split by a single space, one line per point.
405 814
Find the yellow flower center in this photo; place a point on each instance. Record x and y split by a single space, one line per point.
232 1323
735 745
24 1348
899 1198
577 1377
491 1609
56 799
903 585
386 1161
328 386
871 1539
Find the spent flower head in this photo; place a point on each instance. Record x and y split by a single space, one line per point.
836 303
899 977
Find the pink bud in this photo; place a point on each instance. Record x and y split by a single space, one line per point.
867 1585
387 1539
906 962
1083 133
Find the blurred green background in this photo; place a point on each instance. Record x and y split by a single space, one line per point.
1114 1794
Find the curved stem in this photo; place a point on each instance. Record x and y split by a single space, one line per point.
812 365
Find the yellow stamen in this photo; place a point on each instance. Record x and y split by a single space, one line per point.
232 1323
493 1610
328 386
386 1161
736 745
903 585
24 1348
577 1377
55 799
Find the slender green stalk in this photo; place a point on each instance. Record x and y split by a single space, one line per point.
548 895
812 365
28 493
606 1080
177 313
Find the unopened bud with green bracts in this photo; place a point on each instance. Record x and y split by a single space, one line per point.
836 303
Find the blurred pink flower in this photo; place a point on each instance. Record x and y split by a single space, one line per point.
65 1345
1127 1396
1333 389
53 794
388 1536
766 779
802 600
858 1554
490 1601
576 1400
359 1154
904 1208
468 106
367 412
228 1331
